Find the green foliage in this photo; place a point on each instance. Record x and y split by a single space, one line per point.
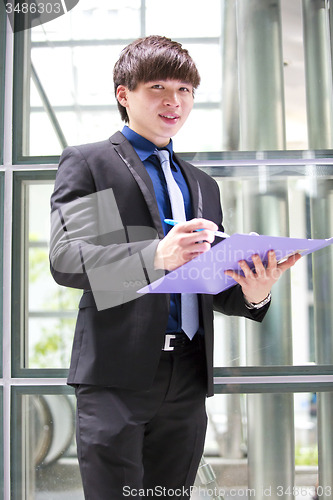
306 455
53 348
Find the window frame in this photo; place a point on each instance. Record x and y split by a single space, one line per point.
2 196
16 451
226 378
18 285
3 23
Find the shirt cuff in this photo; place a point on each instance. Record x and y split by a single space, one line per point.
259 305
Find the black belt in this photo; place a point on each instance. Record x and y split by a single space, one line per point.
178 341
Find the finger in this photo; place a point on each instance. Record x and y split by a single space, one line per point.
201 247
248 273
199 224
259 266
291 261
199 237
271 260
237 277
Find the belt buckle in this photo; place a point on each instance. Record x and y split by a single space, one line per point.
167 346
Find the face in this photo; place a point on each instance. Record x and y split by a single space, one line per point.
157 109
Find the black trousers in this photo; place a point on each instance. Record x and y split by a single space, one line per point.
144 443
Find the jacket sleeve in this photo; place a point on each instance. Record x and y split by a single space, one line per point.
89 246
231 302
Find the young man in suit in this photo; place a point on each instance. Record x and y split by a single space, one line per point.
140 380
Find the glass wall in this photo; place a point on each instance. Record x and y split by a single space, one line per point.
263 361
45 444
263 85
44 458
261 126
44 313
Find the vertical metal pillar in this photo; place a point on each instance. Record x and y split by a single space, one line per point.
271 457
260 66
318 74
262 127
230 98
233 438
322 227
318 71
143 18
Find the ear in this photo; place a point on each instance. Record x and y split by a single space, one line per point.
122 93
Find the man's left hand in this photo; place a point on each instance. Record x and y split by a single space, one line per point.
257 283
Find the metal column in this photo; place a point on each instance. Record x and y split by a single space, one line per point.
230 99
318 74
271 457
233 439
322 227
260 66
262 127
318 70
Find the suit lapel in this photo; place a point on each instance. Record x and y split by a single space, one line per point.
129 157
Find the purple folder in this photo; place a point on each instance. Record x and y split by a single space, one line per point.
205 274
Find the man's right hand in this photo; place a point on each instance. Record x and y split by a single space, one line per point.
183 242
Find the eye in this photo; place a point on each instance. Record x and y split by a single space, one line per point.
157 86
185 89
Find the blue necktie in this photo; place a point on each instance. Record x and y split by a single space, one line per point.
189 301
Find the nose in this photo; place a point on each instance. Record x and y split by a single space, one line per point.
171 99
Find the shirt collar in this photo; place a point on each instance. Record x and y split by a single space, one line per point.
142 146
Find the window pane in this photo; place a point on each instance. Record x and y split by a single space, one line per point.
297 328
201 21
44 423
237 460
263 86
44 442
48 310
51 309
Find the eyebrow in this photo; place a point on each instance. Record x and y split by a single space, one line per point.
168 80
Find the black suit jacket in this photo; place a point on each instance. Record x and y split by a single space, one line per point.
119 335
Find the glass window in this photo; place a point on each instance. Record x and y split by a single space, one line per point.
297 329
49 310
44 423
240 460
266 92
235 459
264 200
263 85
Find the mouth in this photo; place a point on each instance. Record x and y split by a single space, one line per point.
170 118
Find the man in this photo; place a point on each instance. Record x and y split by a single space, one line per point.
141 376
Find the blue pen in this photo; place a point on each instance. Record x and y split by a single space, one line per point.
172 222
